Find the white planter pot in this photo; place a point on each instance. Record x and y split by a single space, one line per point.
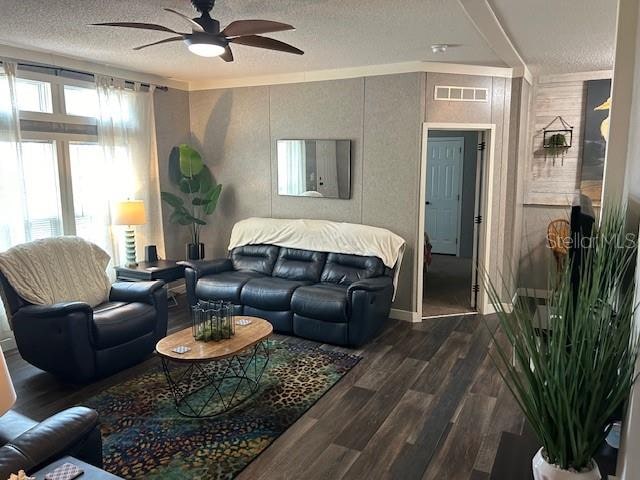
542 470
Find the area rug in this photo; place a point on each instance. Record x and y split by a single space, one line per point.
144 436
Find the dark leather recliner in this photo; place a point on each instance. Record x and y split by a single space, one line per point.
28 445
78 343
327 297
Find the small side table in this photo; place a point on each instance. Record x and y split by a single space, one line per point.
90 472
165 270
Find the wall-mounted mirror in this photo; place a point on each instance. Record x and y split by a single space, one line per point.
314 168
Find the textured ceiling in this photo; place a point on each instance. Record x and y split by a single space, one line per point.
333 33
561 36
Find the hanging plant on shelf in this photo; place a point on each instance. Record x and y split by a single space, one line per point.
557 146
557 141
200 194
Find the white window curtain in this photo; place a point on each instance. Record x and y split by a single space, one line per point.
12 201
129 167
292 168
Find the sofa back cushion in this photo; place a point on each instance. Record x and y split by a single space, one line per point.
301 265
345 269
255 258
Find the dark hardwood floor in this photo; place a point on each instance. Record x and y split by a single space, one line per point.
425 402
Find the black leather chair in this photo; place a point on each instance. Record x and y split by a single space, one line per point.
28 445
327 297
78 343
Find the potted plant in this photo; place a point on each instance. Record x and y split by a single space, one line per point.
571 368
557 145
200 194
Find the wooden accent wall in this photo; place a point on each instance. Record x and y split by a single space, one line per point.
564 95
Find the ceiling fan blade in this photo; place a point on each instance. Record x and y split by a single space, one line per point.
227 56
254 27
266 42
142 26
166 40
195 25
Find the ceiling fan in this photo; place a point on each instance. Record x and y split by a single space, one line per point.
207 40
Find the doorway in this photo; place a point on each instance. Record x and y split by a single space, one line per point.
454 176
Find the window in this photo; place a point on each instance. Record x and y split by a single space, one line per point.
81 101
32 192
89 181
40 176
53 186
34 96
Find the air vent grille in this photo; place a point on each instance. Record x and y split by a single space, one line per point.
461 94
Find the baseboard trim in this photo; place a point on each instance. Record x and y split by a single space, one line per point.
462 314
404 315
491 308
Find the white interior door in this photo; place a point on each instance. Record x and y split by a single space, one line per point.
444 192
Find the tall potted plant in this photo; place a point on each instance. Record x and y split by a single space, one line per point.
200 194
570 380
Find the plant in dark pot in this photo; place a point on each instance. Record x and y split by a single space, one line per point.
199 195
570 366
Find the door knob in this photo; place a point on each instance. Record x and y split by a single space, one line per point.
427 203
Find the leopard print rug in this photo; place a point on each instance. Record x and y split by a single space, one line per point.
145 437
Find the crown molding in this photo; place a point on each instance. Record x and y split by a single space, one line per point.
353 72
54 60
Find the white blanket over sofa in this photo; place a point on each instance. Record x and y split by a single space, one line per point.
322 236
59 269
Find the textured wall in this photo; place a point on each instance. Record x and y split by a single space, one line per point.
236 130
468 186
172 128
393 114
231 130
319 110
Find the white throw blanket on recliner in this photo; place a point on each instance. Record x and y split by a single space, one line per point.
322 236
59 269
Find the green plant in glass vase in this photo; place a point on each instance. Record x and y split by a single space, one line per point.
199 195
571 366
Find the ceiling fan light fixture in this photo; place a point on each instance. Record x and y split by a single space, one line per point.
204 46
206 49
439 47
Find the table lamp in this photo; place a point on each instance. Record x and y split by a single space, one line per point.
7 392
130 213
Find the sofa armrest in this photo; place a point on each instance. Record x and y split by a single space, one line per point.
135 291
196 269
56 338
375 284
62 434
208 267
370 301
55 310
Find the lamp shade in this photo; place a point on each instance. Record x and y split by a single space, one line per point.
7 392
130 212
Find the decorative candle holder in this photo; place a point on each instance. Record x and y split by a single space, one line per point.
212 321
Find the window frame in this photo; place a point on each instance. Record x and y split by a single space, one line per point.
61 140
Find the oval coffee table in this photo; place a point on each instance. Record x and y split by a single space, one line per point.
213 377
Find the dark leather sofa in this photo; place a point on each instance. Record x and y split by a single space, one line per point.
78 343
327 297
28 445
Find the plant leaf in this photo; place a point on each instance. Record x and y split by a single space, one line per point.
190 161
173 200
189 186
212 199
206 180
